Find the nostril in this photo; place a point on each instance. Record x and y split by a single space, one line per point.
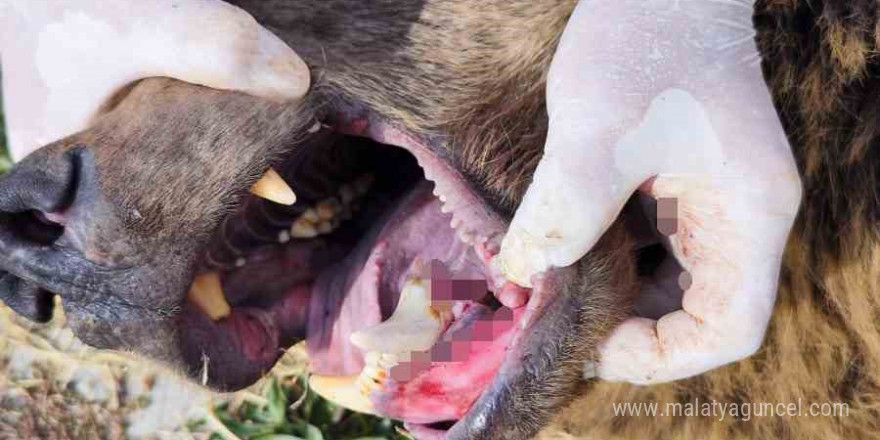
36 190
45 181
26 299
33 226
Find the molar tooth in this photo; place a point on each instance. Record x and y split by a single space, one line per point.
310 215
344 391
303 229
207 294
414 326
272 187
328 209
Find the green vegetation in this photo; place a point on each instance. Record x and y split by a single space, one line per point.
5 162
288 411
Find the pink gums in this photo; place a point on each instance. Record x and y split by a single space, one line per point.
446 390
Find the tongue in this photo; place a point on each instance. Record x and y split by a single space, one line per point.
334 315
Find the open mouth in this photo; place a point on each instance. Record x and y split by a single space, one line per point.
382 264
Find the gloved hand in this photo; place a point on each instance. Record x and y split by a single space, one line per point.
62 59
665 97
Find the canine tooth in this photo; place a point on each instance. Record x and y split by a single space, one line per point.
343 391
240 262
272 187
315 128
311 216
207 294
303 229
415 324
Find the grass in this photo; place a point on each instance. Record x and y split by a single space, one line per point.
5 162
286 409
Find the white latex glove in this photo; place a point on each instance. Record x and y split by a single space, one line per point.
665 97
62 59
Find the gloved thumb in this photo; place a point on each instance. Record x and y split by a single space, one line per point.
577 192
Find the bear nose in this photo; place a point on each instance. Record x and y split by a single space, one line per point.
35 194
26 298
33 198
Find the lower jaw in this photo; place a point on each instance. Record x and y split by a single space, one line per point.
437 385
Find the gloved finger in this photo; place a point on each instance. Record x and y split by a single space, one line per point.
576 193
588 173
62 59
729 238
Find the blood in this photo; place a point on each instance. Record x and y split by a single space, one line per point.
447 389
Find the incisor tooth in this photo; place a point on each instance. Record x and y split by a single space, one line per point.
415 324
343 391
207 294
273 188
